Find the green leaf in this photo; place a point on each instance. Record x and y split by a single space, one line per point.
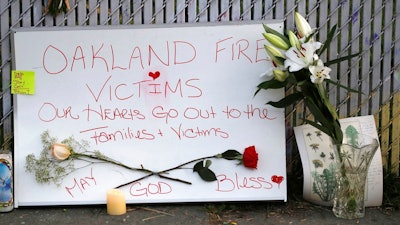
318 126
208 163
287 101
207 175
198 166
336 132
309 37
293 78
328 124
258 90
231 154
280 60
338 138
271 84
344 58
342 86
318 112
204 172
328 40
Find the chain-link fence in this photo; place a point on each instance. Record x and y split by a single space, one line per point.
371 27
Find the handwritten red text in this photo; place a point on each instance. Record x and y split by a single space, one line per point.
80 185
229 184
147 189
107 57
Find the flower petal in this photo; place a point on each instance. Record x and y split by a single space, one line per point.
269 72
319 72
302 25
60 151
303 57
293 66
250 157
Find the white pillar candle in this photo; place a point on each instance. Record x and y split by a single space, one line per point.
116 203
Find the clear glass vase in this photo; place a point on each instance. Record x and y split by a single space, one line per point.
353 159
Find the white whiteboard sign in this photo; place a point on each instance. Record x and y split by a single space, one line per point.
154 97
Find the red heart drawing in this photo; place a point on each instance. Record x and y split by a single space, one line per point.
154 75
277 179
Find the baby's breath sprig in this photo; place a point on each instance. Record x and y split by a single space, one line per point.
50 168
45 167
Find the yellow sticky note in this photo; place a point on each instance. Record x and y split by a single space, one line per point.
22 82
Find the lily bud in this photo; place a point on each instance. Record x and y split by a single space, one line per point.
276 41
276 56
303 27
60 151
294 41
280 75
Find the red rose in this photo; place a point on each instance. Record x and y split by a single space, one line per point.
250 157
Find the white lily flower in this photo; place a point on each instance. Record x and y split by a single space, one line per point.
298 59
319 72
269 72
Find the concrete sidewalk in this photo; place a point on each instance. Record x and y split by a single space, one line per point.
243 213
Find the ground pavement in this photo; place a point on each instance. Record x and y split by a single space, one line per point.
243 213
